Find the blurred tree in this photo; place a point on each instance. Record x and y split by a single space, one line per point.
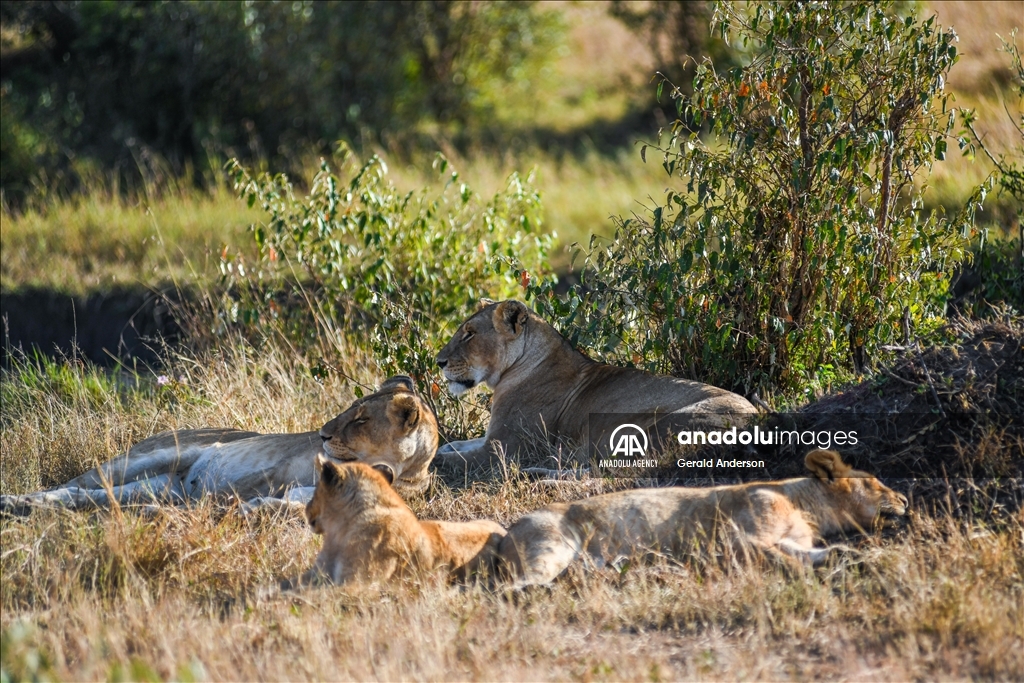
122 83
678 34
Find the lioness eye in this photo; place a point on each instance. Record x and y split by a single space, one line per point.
468 335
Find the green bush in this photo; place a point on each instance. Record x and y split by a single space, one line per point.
396 270
795 242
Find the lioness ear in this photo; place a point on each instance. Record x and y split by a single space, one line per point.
484 303
510 317
826 465
405 411
386 470
398 381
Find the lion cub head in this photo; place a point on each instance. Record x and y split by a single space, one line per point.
392 426
856 495
347 490
484 346
362 520
371 535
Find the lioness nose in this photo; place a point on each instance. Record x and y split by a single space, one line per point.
903 500
441 362
325 437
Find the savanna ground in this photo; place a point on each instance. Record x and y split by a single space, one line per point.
186 593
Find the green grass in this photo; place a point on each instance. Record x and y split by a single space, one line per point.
98 240
601 72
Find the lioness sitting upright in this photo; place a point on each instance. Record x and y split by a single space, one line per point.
371 535
542 385
393 426
780 519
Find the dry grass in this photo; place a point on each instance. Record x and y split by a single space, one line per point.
981 80
982 68
61 417
189 593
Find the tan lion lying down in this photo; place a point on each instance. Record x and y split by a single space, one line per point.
544 387
393 426
370 534
780 519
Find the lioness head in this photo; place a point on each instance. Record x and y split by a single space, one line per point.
858 495
484 346
345 489
392 426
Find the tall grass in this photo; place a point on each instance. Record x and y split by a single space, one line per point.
99 239
188 594
61 417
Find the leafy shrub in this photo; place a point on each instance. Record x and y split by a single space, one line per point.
795 242
401 269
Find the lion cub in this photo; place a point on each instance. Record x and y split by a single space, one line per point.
779 519
370 534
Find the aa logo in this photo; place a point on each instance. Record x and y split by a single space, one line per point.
629 441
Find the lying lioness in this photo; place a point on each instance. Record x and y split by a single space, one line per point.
392 426
371 535
543 386
781 519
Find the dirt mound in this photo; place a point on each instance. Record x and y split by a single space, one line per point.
955 413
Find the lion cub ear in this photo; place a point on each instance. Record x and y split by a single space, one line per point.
404 411
330 475
386 471
397 381
826 465
510 317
